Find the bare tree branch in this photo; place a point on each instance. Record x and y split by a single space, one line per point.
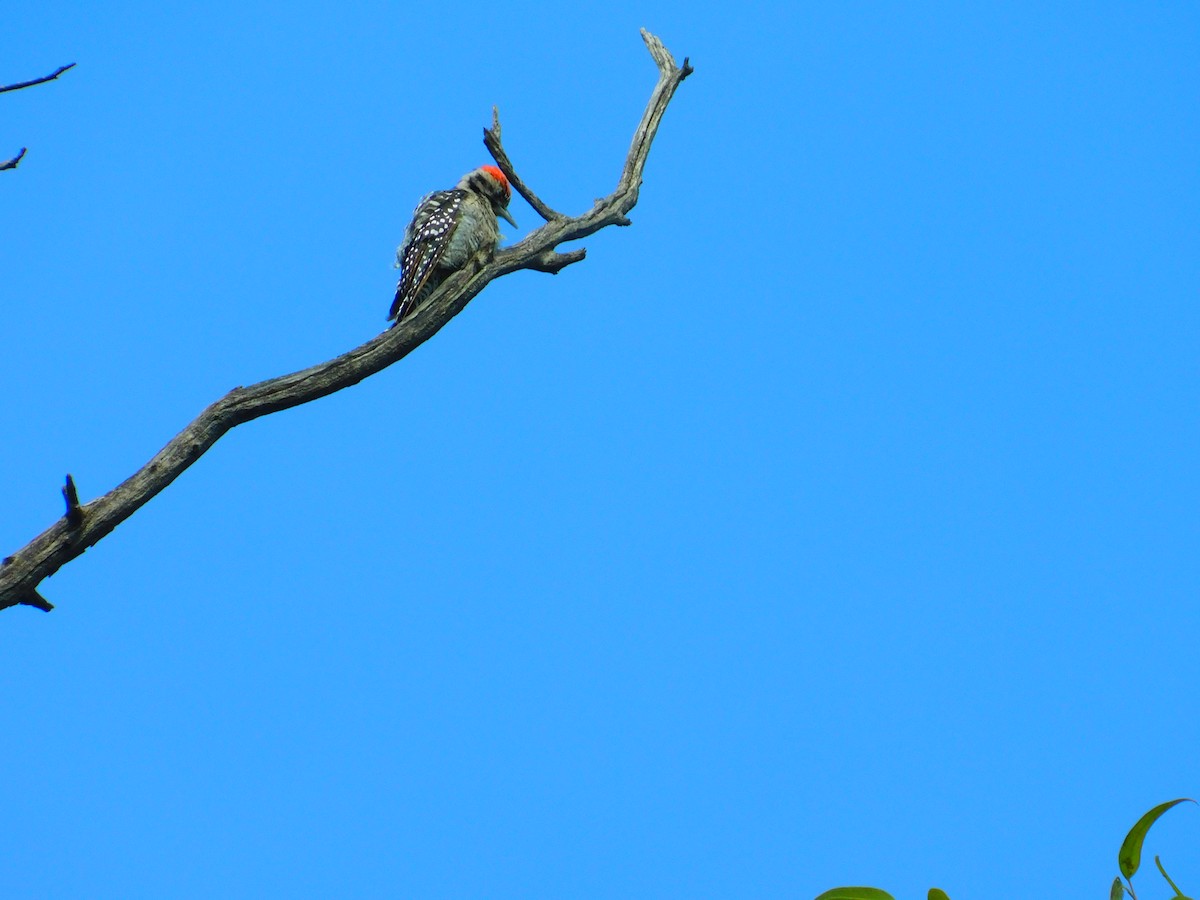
82 526
491 139
16 160
12 163
24 84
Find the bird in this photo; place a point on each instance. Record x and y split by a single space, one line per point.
447 229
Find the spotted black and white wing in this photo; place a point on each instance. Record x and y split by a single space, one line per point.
425 241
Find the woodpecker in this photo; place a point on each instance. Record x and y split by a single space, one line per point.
447 229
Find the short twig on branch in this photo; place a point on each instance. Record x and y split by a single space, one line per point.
37 601
74 514
15 161
83 526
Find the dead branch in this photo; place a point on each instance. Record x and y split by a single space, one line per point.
24 84
84 525
15 161
12 163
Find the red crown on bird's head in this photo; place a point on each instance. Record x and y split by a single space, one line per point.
500 177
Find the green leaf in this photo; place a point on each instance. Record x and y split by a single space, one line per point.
856 893
1130 856
1117 891
1174 886
937 894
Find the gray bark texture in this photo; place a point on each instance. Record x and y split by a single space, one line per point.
83 525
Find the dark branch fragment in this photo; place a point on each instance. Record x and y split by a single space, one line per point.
71 535
74 515
37 601
12 163
15 161
24 84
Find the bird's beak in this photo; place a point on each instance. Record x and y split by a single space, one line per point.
501 211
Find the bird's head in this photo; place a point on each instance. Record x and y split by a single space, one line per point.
489 181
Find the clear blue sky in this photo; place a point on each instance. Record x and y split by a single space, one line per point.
836 523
